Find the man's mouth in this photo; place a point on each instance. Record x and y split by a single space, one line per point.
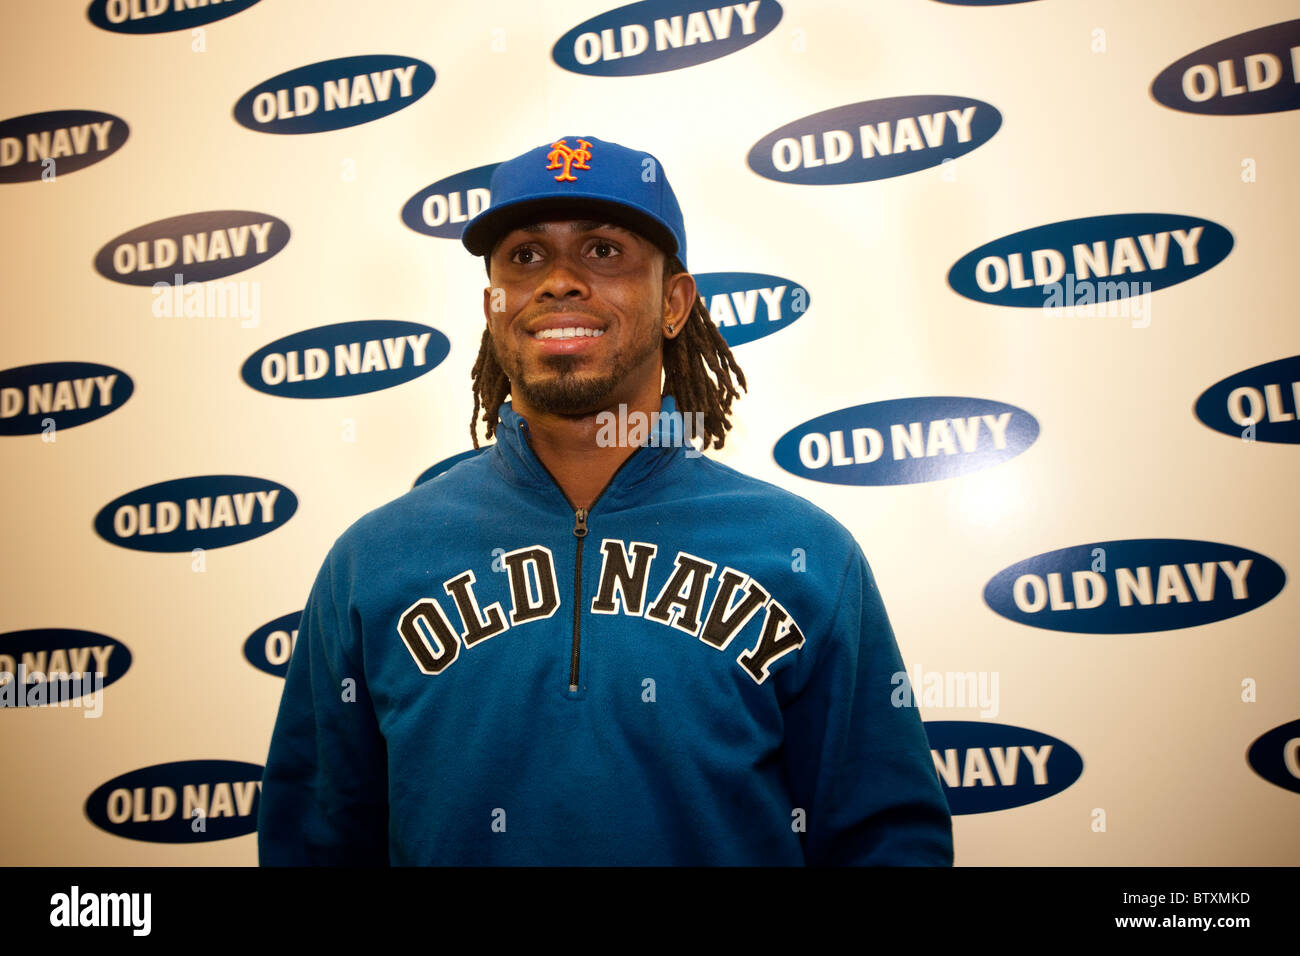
571 332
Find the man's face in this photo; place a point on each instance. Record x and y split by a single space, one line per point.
596 295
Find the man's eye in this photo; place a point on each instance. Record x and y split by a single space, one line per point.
604 250
523 256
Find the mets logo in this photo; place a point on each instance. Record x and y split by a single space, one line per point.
562 155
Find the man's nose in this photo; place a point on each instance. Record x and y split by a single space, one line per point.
564 278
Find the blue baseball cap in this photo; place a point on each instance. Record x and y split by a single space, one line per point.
586 176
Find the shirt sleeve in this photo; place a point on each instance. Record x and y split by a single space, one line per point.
324 798
859 766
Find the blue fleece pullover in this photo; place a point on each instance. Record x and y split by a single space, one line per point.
696 670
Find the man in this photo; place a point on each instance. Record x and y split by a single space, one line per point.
592 644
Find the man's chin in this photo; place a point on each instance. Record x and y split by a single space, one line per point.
575 395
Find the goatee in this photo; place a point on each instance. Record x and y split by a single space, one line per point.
566 393
565 389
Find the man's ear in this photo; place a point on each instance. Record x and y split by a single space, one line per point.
680 294
487 292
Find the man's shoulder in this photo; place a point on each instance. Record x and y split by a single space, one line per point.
740 490
437 498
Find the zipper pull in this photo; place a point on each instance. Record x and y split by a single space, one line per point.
580 523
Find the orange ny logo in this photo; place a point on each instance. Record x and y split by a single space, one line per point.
562 155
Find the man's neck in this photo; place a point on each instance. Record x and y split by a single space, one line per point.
570 450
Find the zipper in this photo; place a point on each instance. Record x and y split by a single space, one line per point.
579 532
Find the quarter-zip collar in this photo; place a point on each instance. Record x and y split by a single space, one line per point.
513 456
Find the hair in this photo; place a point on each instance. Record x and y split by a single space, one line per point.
688 358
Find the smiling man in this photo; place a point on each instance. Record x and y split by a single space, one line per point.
578 314
571 650
549 338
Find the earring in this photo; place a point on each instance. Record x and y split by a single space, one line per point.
670 330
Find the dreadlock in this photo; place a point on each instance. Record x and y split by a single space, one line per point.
688 359
699 349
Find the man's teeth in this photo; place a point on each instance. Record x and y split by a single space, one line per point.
569 333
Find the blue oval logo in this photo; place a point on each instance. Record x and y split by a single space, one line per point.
36 398
749 305
1252 72
349 358
271 645
985 767
158 16
875 139
48 145
59 667
205 511
433 471
1135 586
189 801
1089 262
441 210
1275 756
1259 404
903 441
334 94
195 247
655 36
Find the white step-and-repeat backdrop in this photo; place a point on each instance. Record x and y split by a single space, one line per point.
1012 284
